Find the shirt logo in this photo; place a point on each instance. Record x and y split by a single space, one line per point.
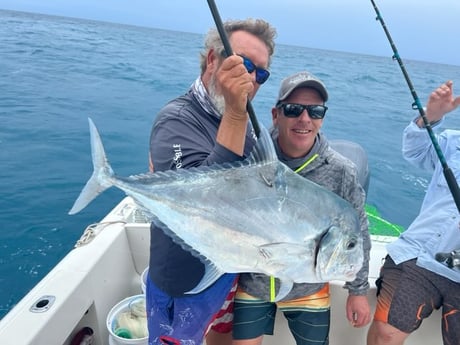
177 156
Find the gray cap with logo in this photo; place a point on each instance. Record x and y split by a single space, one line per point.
301 79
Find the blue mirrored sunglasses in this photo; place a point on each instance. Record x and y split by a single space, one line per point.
261 73
315 111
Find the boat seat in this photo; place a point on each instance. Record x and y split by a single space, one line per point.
356 153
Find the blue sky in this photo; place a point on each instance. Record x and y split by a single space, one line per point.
425 30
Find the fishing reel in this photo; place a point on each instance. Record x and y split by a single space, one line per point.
451 260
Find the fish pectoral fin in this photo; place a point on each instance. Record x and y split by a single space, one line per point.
211 274
280 250
285 288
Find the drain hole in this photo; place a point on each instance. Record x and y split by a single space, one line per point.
42 304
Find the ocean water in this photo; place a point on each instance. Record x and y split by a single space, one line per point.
56 72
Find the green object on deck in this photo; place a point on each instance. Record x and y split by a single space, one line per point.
380 226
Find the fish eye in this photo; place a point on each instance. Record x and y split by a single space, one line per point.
351 244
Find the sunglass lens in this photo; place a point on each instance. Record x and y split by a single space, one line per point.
262 75
316 112
248 64
292 110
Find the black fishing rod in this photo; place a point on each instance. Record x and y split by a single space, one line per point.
228 52
448 174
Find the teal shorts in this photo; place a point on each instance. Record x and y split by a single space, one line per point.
253 318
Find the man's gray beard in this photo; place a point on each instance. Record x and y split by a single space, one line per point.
217 100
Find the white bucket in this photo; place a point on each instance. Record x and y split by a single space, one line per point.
144 276
114 328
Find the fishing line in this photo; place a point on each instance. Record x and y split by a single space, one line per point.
228 52
448 174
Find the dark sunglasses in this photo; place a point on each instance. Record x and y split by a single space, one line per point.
261 73
315 111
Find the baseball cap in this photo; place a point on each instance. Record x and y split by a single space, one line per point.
301 79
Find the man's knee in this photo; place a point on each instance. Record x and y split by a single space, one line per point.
381 333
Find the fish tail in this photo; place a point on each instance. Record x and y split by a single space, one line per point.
101 179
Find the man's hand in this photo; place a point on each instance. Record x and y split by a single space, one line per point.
358 311
236 86
441 101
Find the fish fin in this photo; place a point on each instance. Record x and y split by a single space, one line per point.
211 274
272 252
275 254
99 180
264 150
285 288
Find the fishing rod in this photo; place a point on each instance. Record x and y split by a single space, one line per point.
228 52
448 174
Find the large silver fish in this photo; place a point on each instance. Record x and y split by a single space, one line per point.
251 216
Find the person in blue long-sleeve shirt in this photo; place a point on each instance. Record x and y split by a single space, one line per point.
413 282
